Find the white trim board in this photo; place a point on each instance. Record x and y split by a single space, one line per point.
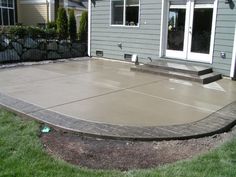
89 27
51 10
163 27
233 64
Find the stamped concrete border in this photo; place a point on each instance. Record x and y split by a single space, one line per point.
218 122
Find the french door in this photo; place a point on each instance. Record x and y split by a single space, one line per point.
190 29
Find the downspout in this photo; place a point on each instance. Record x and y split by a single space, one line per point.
233 64
89 27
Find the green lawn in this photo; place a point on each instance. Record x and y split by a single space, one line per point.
22 155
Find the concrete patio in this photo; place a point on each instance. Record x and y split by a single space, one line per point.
105 98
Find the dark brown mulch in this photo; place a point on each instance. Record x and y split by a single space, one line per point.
124 155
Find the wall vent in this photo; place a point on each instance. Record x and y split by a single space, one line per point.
127 57
99 53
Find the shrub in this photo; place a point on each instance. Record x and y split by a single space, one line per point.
50 33
52 25
35 32
62 23
18 31
4 29
83 28
72 25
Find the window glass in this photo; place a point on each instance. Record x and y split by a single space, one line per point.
117 12
4 3
202 29
176 28
132 12
11 17
5 16
10 3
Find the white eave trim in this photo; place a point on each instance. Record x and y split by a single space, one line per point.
89 27
233 64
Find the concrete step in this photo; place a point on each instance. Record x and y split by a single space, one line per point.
180 67
204 79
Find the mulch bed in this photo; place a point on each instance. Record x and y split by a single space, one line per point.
122 155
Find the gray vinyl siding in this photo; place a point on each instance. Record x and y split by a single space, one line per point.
145 39
224 37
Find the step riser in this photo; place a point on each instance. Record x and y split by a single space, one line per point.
197 73
188 78
167 74
212 79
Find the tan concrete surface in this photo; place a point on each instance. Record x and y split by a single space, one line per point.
210 97
133 109
108 92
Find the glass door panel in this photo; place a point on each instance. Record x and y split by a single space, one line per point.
201 31
176 29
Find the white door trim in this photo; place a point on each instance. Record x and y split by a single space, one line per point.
176 53
205 58
233 64
199 57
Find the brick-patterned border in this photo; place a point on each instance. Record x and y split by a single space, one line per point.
217 122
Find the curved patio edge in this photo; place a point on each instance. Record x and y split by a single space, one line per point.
218 122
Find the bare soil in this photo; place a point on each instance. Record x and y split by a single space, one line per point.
122 155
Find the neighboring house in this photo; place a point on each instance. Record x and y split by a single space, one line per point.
199 31
34 12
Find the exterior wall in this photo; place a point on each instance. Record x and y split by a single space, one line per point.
32 13
224 39
145 39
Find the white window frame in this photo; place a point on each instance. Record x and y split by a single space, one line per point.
124 17
6 7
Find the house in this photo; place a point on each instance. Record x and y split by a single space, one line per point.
187 31
34 12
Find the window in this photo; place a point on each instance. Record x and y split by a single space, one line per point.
117 12
7 12
5 16
125 12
